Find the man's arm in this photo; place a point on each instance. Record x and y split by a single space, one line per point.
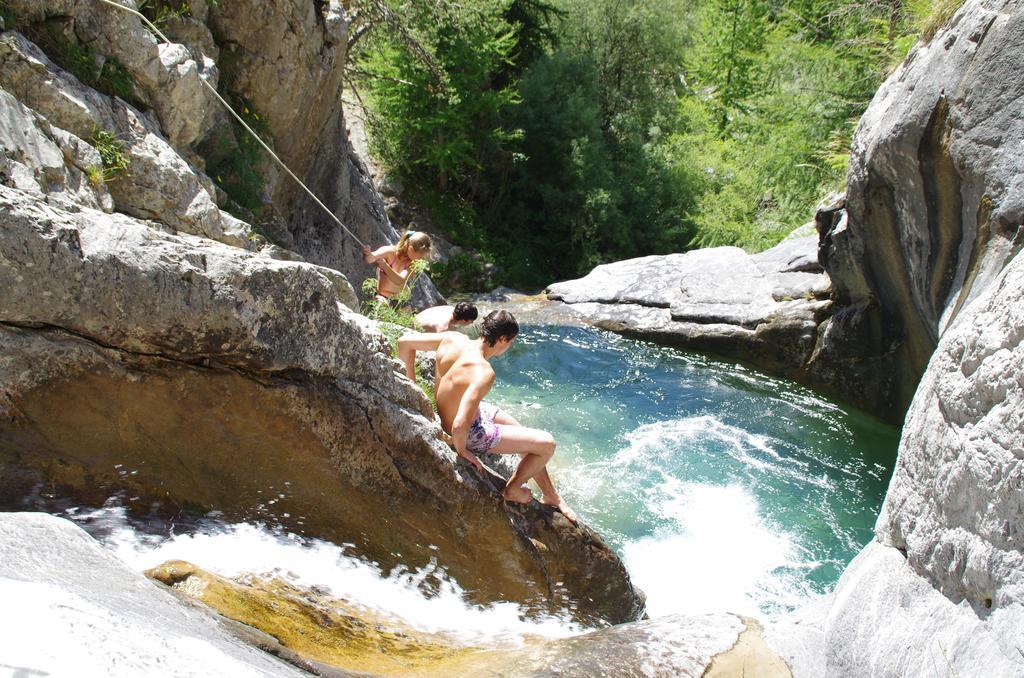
483 380
418 341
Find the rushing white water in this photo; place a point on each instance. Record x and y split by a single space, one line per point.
719 554
708 548
723 489
245 549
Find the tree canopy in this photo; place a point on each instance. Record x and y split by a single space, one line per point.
553 135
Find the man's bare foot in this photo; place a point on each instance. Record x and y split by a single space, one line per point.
559 503
520 495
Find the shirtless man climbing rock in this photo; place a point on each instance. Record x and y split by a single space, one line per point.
464 376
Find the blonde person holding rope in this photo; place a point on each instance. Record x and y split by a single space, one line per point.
394 262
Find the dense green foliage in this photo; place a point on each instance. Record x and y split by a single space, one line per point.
552 135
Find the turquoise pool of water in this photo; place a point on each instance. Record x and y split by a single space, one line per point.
722 488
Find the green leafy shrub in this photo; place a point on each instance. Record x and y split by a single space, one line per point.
624 129
163 12
111 150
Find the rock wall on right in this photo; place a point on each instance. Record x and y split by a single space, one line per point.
928 275
935 201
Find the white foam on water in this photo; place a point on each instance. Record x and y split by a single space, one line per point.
665 439
718 555
242 549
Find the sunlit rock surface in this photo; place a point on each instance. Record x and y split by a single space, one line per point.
321 629
765 308
339 634
932 248
71 608
935 200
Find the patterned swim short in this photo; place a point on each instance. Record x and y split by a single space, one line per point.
484 434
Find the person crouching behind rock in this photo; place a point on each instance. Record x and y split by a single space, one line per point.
463 377
444 318
394 262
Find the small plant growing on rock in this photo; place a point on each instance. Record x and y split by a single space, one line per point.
112 155
395 320
105 74
394 315
95 175
162 12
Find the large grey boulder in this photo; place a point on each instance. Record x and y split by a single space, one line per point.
929 254
221 377
764 308
72 608
956 502
935 198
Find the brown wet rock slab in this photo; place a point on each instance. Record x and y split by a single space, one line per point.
321 630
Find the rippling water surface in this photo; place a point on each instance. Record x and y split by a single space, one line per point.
723 488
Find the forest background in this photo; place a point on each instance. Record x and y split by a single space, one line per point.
550 136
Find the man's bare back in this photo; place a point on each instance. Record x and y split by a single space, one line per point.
457 365
444 318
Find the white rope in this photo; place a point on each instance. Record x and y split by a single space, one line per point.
241 122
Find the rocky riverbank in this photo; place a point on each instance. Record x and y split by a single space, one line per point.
764 309
152 348
77 605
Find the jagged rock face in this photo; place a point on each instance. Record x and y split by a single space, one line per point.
177 369
162 186
935 196
166 77
764 308
286 59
